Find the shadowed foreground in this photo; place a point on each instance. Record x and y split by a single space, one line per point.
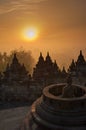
10 119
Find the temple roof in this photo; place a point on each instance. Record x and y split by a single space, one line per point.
72 65
48 58
15 68
41 58
81 59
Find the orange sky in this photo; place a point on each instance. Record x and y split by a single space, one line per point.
61 25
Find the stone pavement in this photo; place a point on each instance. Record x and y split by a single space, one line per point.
11 119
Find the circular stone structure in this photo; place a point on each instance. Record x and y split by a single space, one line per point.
54 111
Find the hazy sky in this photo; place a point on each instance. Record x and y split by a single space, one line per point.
61 25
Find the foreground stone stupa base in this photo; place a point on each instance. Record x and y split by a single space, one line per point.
57 110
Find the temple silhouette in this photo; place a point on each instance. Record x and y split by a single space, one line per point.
78 67
16 83
15 72
46 71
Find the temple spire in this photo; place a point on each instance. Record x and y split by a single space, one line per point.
40 54
72 66
47 53
48 59
80 52
41 58
15 60
81 59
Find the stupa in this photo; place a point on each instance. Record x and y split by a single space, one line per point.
61 107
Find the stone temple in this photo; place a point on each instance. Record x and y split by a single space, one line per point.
61 107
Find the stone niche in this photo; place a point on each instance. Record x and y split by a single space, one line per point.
53 111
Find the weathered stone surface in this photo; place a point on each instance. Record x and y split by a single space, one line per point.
10 119
54 112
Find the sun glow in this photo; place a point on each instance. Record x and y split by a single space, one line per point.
30 34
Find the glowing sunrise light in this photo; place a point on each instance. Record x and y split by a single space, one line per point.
30 34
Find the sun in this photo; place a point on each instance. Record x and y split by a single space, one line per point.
30 33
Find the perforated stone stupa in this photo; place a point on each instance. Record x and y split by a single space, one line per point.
61 107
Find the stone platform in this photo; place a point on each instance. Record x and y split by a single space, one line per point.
53 111
10 119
